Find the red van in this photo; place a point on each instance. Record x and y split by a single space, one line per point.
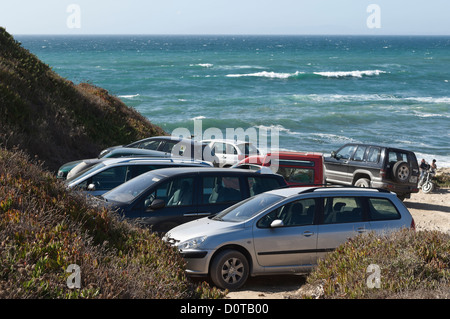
298 168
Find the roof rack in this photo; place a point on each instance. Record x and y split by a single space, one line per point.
322 186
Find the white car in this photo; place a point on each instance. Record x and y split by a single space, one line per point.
230 152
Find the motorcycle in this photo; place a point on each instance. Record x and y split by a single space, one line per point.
426 182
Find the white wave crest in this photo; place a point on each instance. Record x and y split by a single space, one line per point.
201 117
130 96
265 74
203 65
356 74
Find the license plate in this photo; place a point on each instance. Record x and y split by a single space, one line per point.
413 179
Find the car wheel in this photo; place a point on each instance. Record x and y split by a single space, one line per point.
229 270
401 172
427 187
362 182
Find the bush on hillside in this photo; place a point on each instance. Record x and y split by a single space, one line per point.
44 228
48 116
412 265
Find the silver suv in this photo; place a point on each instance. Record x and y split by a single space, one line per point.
283 231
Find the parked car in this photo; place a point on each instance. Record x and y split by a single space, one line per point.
165 198
297 168
374 166
230 152
110 173
68 170
175 146
283 231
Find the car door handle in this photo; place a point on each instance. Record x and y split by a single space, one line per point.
361 230
308 233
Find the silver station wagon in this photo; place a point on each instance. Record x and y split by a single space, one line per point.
284 231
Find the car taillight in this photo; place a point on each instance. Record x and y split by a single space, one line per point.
413 224
382 173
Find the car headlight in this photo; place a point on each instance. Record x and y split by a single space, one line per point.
191 243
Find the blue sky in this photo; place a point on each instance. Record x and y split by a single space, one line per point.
412 17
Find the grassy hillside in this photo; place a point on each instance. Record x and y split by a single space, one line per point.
51 118
44 228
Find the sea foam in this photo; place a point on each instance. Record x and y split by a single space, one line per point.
356 74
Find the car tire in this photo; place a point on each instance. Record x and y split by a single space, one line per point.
401 172
362 182
229 270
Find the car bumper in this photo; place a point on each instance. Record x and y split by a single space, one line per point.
398 189
197 261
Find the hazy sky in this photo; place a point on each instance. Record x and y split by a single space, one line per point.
431 17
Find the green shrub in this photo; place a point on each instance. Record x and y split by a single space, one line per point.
412 264
44 228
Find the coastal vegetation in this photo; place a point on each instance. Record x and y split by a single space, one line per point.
46 120
408 264
54 119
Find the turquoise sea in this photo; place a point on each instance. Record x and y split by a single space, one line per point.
319 92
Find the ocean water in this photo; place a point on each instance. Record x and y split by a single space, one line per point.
317 92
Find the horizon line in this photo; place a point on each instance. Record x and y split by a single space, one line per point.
228 34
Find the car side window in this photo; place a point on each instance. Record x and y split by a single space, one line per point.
359 154
296 213
258 185
382 209
231 150
176 192
219 148
346 152
109 178
374 155
221 189
342 210
149 145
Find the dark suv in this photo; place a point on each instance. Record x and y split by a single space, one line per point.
374 166
168 197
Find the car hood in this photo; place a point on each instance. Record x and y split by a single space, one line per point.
202 227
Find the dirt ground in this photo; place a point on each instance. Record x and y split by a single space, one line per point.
430 212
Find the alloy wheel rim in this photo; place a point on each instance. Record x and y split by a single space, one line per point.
232 270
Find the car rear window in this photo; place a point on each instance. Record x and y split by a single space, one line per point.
382 209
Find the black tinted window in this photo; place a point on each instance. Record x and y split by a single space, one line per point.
382 209
297 213
343 210
221 189
109 178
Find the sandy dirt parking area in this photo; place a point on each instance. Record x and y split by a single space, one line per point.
430 212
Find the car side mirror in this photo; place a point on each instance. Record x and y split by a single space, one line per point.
91 187
156 204
276 223
333 154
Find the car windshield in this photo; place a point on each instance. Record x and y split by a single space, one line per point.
84 173
130 190
248 208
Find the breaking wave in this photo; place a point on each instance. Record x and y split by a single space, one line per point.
298 74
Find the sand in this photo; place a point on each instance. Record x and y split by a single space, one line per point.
430 212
